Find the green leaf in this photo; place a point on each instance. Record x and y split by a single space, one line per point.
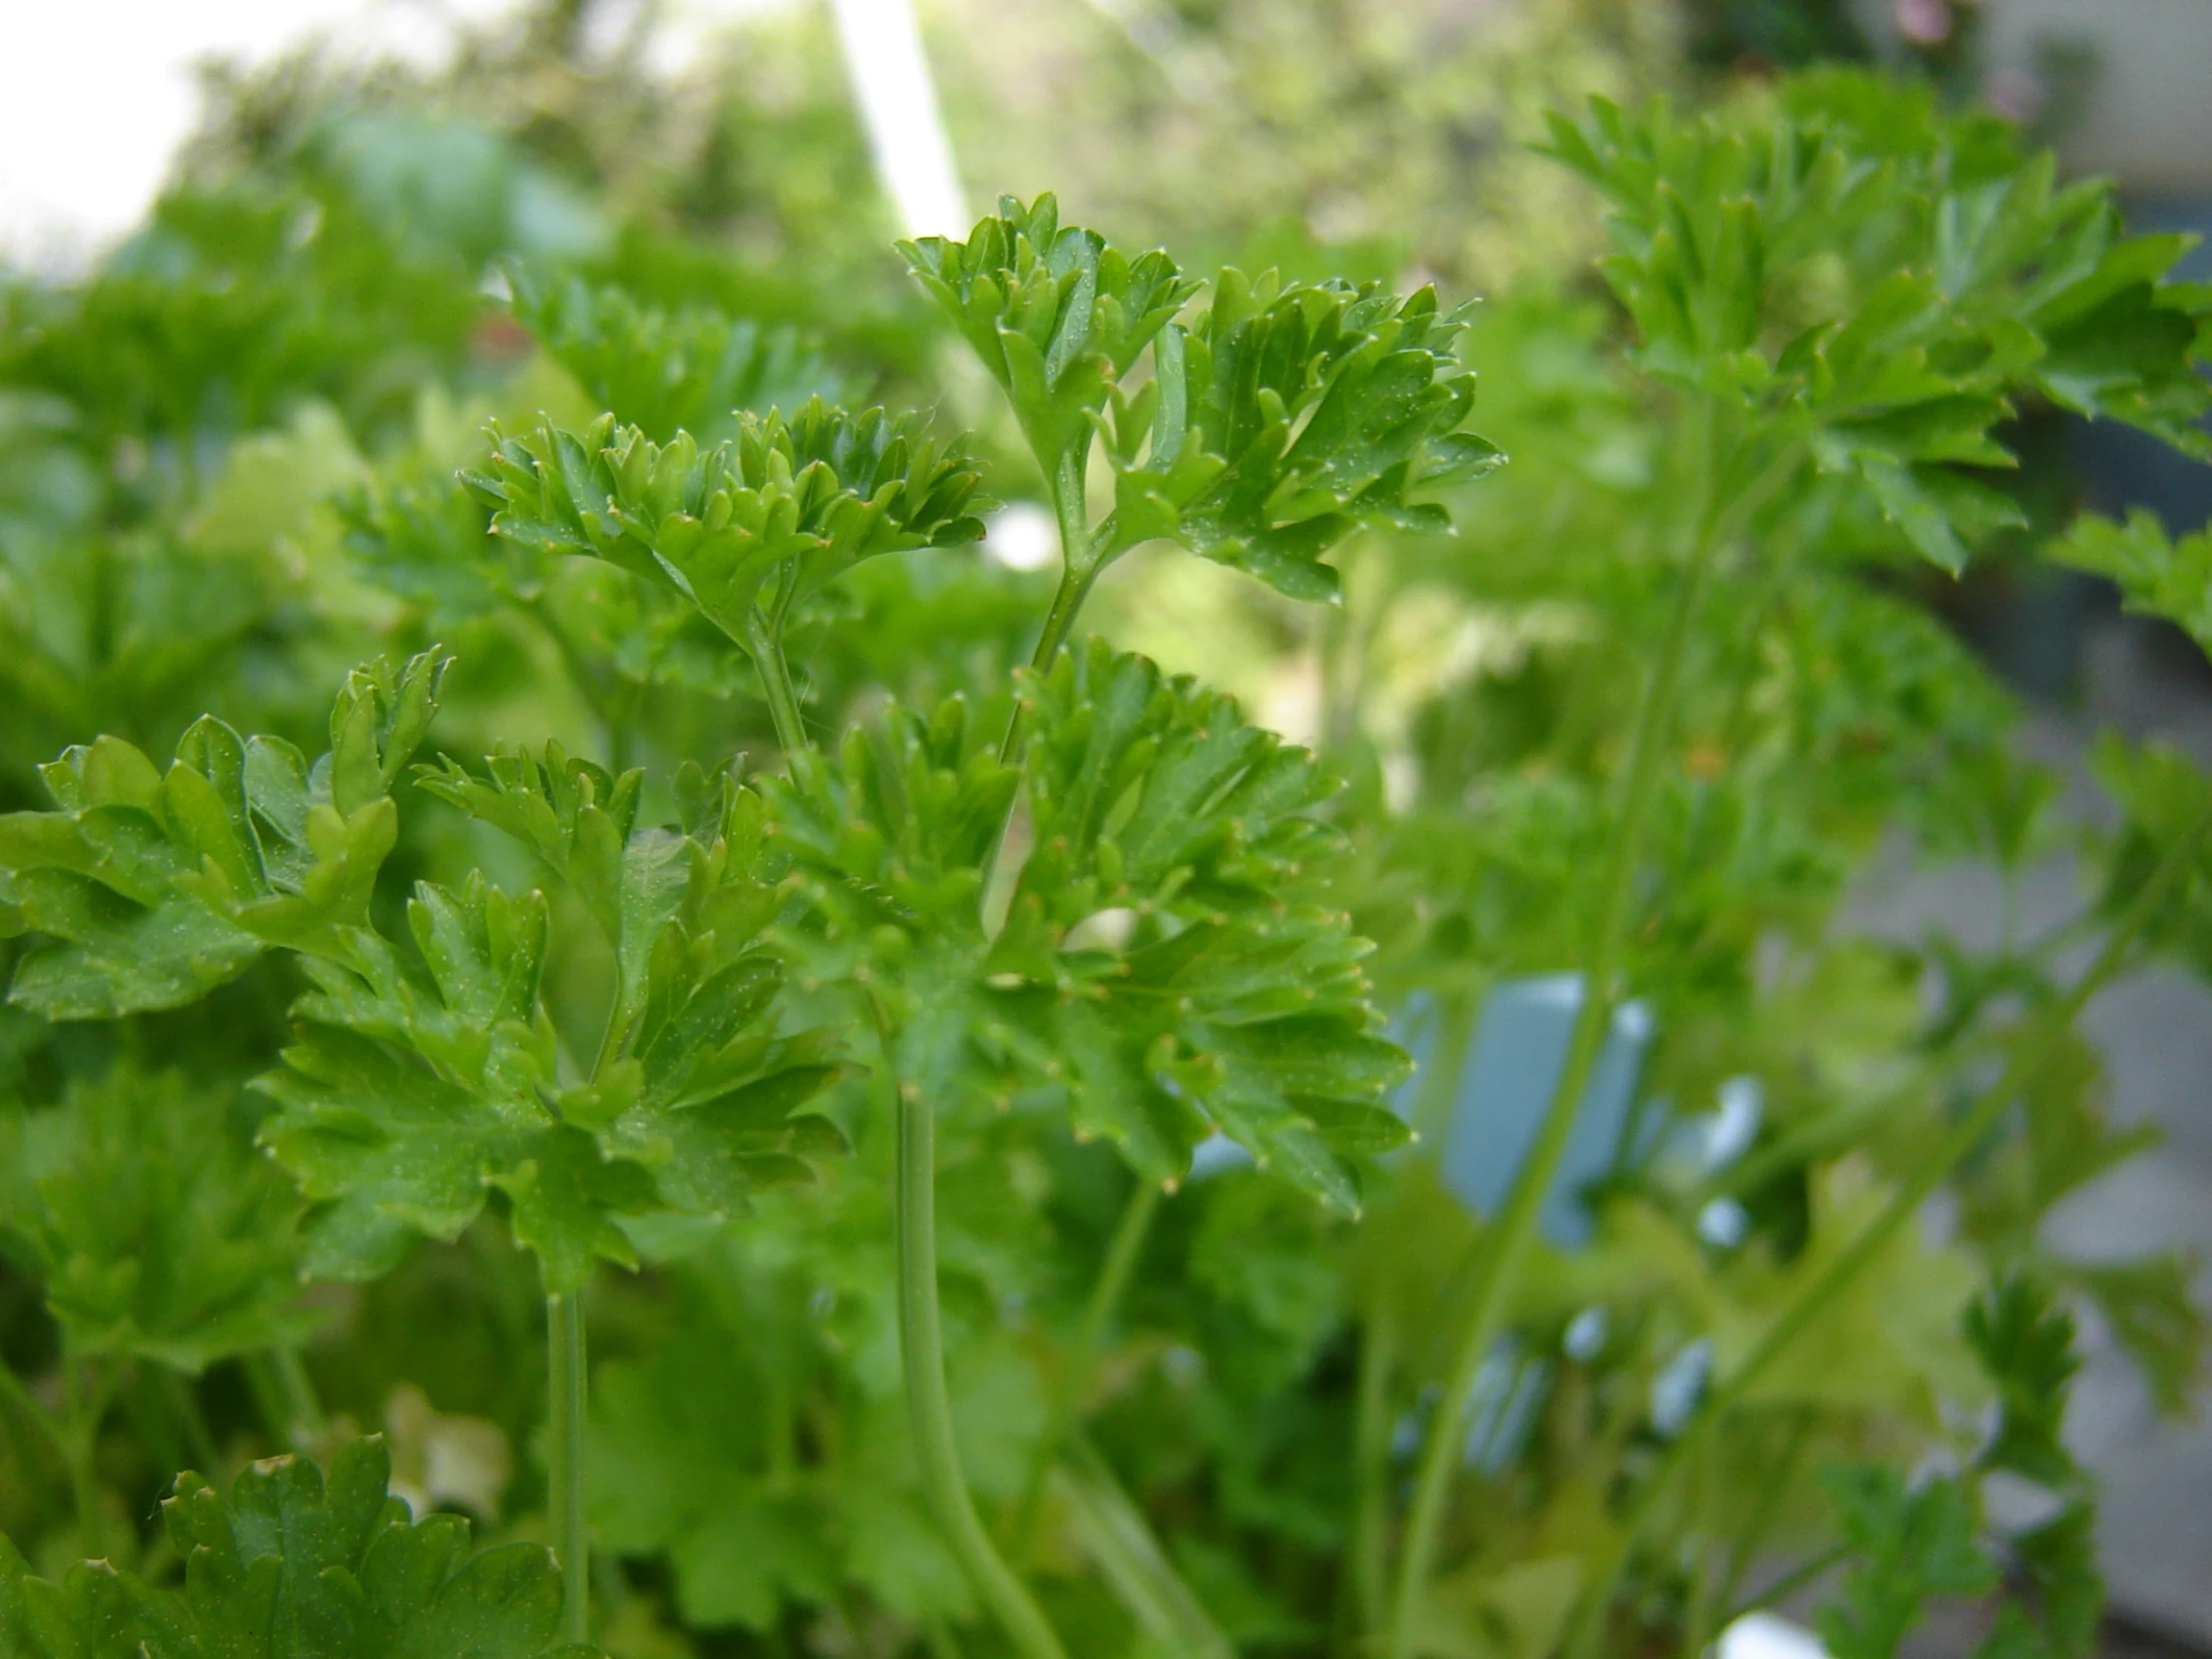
289 1567
2026 1343
575 816
2064 1615
2068 1142
157 1233
2157 575
1168 964
419 1083
667 373
1288 416
155 887
1053 312
1852 264
759 522
1908 1546
2162 795
1232 999
2154 1316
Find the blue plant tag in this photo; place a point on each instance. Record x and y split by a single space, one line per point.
1514 1067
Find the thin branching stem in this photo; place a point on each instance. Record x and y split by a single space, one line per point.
20 1403
1080 563
1370 1453
565 1379
930 1407
766 652
1812 1298
87 1389
1074 1381
1506 1241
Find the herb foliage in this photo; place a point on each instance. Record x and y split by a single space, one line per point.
731 914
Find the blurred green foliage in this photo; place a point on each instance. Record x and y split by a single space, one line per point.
577 983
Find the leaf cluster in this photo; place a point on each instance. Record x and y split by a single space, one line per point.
748 528
156 1233
288 1565
1286 417
155 887
424 1079
1881 282
1167 965
690 370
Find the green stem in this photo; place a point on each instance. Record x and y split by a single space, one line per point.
1697 1620
1812 1297
301 1402
766 652
1789 1583
1508 1237
1060 621
1780 1479
87 1396
285 1395
1080 563
1075 1377
922 1352
564 1343
1121 1543
199 1444
16 1398
1438 1083
1371 1450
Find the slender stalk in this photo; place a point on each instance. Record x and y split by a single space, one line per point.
1060 621
199 1444
1806 1303
1080 564
1371 1452
1508 1237
87 1393
1114 1533
1781 1477
766 653
19 1401
284 1394
1446 1062
1789 1583
1698 1614
1075 1377
564 1343
301 1403
922 1351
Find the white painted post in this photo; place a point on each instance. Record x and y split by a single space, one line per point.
890 79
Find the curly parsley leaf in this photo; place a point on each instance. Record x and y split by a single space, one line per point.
155 887
2064 1612
665 372
2157 574
1167 965
1909 1545
1054 313
154 1230
2153 1315
423 1080
748 528
288 1565
1887 279
2163 795
1287 417
2025 1343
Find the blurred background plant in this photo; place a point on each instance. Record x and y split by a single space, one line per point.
226 463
